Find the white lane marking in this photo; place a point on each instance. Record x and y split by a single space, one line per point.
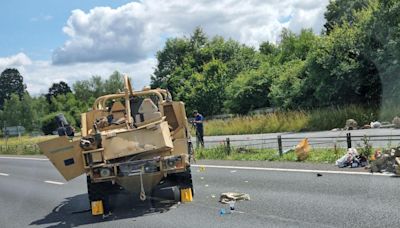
25 158
292 170
4 174
54 182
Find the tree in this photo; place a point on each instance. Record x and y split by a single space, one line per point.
114 84
11 82
340 11
249 90
57 89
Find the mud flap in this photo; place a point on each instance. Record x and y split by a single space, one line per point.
66 156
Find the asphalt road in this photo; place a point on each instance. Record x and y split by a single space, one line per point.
381 137
32 193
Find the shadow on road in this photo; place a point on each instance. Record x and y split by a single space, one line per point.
75 211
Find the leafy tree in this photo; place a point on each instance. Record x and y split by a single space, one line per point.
11 81
342 11
208 92
249 91
114 84
57 89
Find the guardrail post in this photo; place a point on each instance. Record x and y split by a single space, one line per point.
228 146
280 145
348 138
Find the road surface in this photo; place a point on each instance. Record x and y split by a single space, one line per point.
33 194
378 138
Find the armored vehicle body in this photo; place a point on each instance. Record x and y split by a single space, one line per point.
135 141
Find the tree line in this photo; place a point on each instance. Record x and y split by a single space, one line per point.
355 60
37 113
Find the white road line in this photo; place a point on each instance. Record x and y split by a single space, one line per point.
4 174
54 182
247 168
291 170
25 158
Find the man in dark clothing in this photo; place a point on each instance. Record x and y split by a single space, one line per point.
198 122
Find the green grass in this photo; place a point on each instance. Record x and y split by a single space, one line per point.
297 121
25 145
315 156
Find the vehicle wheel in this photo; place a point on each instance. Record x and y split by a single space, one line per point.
183 180
100 191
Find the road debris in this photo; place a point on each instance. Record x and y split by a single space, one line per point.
352 159
202 169
351 124
302 150
227 197
319 175
396 122
386 161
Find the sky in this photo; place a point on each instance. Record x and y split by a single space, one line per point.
51 40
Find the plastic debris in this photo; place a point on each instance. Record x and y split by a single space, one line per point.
319 175
376 124
227 197
352 159
202 168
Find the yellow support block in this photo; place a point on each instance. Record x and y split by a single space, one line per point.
186 195
97 207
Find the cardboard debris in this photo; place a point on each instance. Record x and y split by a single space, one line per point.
227 197
302 150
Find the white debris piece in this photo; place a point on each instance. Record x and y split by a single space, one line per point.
227 197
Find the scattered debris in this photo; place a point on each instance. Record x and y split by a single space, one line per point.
387 161
302 150
213 196
375 124
206 185
319 175
396 122
351 124
201 178
202 168
227 197
233 171
352 159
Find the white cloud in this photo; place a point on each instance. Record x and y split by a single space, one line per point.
137 30
39 75
17 60
126 38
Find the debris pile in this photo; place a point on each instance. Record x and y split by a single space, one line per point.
396 122
386 161
351 124
352 159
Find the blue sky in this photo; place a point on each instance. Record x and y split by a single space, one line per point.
50 40
35 27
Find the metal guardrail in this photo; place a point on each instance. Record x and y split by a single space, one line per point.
282 141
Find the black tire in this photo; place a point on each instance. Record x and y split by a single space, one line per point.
183 179
101 191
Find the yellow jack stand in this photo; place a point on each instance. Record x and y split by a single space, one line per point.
97 207
186 195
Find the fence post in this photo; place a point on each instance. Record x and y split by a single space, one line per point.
228 146
280 145
348 137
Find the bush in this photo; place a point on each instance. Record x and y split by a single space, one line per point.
49 124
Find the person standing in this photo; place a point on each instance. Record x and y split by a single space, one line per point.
198 122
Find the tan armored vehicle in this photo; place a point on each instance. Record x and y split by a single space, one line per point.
136 141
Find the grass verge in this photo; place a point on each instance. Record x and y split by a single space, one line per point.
296 121
315 155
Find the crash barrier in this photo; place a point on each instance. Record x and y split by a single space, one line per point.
284 142
23 149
